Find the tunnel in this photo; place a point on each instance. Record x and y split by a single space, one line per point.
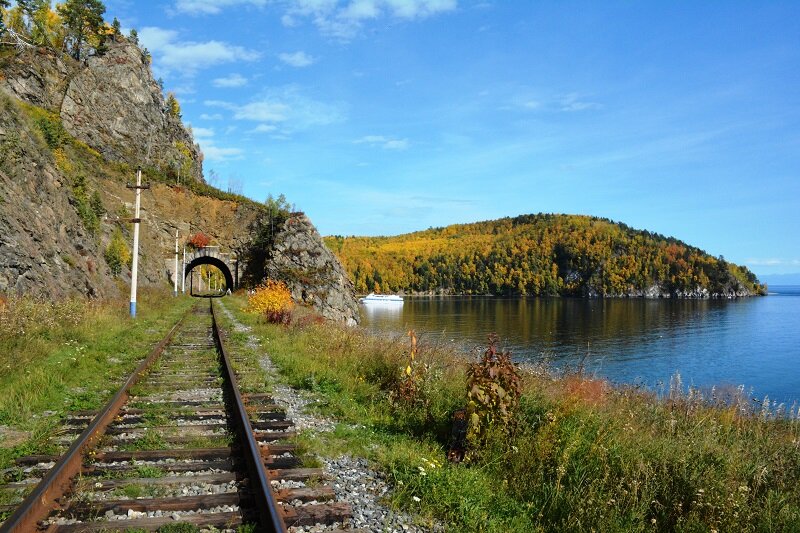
213 261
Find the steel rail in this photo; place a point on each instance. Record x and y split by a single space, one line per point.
269 513
44 498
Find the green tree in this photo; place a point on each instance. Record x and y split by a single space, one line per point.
117 29
263 231
84 21
133 36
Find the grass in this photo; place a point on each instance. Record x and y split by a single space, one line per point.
58 357
585 456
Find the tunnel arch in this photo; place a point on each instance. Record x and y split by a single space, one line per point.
213 261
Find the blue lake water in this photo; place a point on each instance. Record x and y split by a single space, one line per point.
750 341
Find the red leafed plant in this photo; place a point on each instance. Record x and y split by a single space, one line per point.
198 240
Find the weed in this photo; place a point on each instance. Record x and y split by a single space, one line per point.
584 456
494 389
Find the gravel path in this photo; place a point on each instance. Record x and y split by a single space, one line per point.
355 482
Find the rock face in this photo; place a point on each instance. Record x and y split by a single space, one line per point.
44 247
110 102
312 272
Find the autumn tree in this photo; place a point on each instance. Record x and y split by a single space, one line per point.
46 26
84 22
173 107
3 6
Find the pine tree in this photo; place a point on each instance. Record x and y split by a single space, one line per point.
83 19
117 28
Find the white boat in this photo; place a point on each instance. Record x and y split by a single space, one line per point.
381 298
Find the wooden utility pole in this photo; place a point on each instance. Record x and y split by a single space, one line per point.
136 220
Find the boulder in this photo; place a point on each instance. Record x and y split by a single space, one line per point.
312 272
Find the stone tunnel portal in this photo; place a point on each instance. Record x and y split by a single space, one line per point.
213 261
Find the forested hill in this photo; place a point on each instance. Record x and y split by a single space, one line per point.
544 254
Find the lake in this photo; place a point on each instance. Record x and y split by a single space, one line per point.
749 341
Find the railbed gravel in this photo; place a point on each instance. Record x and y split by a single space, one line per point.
354 481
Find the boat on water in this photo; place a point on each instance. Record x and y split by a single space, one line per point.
372 298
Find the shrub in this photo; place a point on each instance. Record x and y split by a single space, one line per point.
273 301
198 240
52 130
493 392
117 253
89 208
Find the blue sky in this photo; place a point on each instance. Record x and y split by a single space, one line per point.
379 117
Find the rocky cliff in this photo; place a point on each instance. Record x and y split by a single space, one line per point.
312 272
71 136
110 102
44 247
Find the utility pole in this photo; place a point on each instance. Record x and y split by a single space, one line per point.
136 220
175 292
183 272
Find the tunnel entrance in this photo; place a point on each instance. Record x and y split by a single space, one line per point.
208 276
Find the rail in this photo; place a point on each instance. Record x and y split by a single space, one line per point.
44 498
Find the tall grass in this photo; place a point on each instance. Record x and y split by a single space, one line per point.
69 355
585 456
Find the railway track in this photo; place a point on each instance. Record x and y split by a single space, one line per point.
178 444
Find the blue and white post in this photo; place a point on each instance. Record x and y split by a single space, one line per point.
175 292
135 265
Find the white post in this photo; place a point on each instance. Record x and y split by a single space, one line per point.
183 272
175 292
135 265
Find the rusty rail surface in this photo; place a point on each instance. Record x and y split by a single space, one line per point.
268 510
44 498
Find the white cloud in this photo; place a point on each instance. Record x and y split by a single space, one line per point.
217 154
285 107
297 59
211 152
773 262
572 102
187 57
215 116
264 128
262 111
234 80
386 143
202 133
567 103
209 7
156 38
343 19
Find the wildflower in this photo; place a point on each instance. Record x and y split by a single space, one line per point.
416 499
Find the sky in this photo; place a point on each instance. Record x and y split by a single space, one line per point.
381 117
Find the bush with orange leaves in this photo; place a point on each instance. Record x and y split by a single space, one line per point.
273 301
